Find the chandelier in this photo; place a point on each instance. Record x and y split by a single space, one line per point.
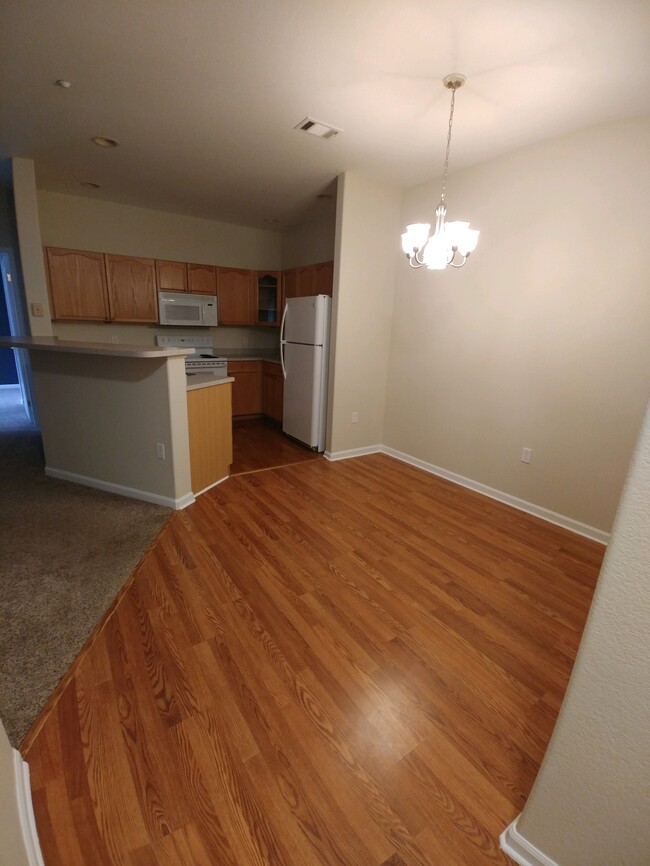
451 243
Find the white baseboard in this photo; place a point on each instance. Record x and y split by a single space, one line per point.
521 504
26 811
131 492
353 452
519 849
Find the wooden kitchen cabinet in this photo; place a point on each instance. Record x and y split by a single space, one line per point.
268 298
290 283
209 419
171 276
202 280
308 280
77 281
272 390
247 387
235 288
131 288
324 278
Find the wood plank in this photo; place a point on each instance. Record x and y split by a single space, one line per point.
321 664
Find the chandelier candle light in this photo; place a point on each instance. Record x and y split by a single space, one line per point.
451 243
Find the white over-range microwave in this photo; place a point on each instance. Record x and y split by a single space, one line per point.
180 309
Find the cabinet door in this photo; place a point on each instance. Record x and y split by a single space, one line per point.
210 433
235 296
306 280
272 390
77 284
324 278
171 276
290 283
132 289
202 279
247 387
268 291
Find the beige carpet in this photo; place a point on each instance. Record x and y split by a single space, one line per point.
65 552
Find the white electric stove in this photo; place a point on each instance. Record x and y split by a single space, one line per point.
202 361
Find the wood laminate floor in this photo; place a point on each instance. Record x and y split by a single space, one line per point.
350 663
259 443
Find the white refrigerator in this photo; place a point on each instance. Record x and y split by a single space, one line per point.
304 351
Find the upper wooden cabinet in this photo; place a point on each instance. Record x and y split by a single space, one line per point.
268 298
235 287
132 289
202 279
290 283
171 276
308 280
324 278
77 284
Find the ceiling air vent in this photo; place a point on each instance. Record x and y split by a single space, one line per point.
317 127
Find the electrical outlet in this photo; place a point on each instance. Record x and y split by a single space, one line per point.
37 310
526 454
355 417
160 450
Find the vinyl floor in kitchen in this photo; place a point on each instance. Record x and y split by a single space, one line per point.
259 443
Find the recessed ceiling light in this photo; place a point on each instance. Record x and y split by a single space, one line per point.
61 82
317 127
104 142
88 184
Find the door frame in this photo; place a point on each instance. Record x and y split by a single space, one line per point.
18 326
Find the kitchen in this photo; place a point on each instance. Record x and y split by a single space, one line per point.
171 252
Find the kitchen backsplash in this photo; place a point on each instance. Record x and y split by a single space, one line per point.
145 335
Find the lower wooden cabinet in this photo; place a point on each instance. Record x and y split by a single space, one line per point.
210 429
247 387
272 390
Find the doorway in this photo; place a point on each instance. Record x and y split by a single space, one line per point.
12 306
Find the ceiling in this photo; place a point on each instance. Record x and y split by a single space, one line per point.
203 95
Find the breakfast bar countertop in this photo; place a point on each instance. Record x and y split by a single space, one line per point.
119 350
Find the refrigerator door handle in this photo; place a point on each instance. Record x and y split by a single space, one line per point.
283 341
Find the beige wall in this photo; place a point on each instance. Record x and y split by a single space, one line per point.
364 279
83 223
102 417
590 805
31 247
310 243
542 339
12 844
88 224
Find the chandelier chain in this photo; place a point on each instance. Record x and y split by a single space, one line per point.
451 120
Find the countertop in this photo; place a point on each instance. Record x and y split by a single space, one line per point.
205 380
118 350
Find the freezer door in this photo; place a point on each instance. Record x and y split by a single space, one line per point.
307 320
304 394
